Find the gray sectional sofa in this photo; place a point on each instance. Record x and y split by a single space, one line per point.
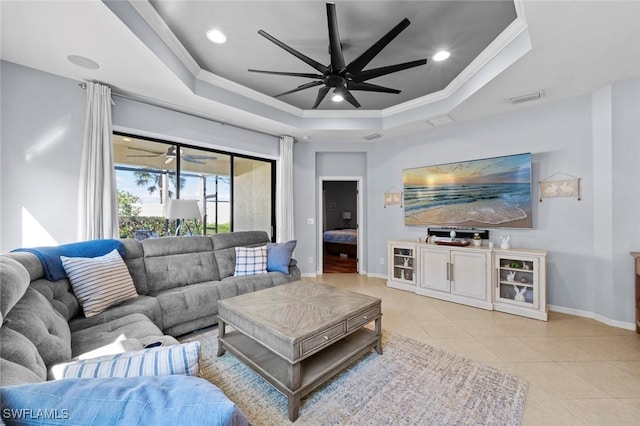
179 281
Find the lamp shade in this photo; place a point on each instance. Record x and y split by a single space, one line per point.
346 215
183 209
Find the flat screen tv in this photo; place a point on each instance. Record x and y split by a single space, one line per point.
490 193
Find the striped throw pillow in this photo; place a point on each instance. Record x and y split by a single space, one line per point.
99 282
160 361
251 260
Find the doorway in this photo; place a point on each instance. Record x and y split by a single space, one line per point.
340 225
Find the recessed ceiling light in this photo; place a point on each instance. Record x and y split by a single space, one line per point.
337 98
441 55
216 36
126 139
83 62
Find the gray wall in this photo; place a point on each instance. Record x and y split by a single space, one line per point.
42 131
594 137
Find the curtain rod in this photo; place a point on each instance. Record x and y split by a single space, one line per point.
181 111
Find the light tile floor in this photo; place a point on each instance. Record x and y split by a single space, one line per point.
580 371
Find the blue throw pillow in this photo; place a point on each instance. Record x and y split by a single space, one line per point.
279 256
183 400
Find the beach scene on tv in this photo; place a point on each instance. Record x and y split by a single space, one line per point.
491 192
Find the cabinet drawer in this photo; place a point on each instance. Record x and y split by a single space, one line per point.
362 318
321 339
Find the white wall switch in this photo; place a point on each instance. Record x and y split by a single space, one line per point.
310 221
310 259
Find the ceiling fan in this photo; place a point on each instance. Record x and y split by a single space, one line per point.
171 155
340 77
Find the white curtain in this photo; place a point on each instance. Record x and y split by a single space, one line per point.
284 191
97 200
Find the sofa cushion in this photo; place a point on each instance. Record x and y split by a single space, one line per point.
146 305
60 295
15 280
134 326
247 284
251 261
184 304
168 400
16 374
17 349
134 258
158 361
279 256
34 317
99 282
173 262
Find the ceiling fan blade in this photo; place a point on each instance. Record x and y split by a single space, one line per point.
361 61
314 64
301 87
322 92
352 85
378 72
349 98
145 150
195 161
335 47
292 74
199 157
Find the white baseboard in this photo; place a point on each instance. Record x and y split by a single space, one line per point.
374 275
553 308
592 315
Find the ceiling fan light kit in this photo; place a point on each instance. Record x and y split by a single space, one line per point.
341 77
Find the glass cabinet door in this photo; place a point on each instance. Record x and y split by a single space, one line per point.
517 280
403 264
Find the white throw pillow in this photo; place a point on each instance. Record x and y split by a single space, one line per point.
99 282
251 260
160 361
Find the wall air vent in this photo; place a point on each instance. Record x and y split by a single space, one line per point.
372 136
526 98
440 119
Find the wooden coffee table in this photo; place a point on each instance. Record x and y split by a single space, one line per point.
298 335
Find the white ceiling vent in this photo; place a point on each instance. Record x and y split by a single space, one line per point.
440 119
372 136
528 97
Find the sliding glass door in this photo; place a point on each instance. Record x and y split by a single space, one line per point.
234 192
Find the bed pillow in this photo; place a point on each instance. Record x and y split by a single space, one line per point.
279 256
251 260
99 282
159 361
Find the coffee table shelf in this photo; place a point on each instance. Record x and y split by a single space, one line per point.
314 370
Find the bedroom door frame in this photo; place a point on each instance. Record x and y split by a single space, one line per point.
359 218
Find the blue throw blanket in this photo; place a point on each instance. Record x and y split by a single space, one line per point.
50 256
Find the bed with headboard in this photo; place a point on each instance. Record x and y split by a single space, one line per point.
341 242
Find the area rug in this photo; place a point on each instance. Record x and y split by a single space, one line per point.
410 384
